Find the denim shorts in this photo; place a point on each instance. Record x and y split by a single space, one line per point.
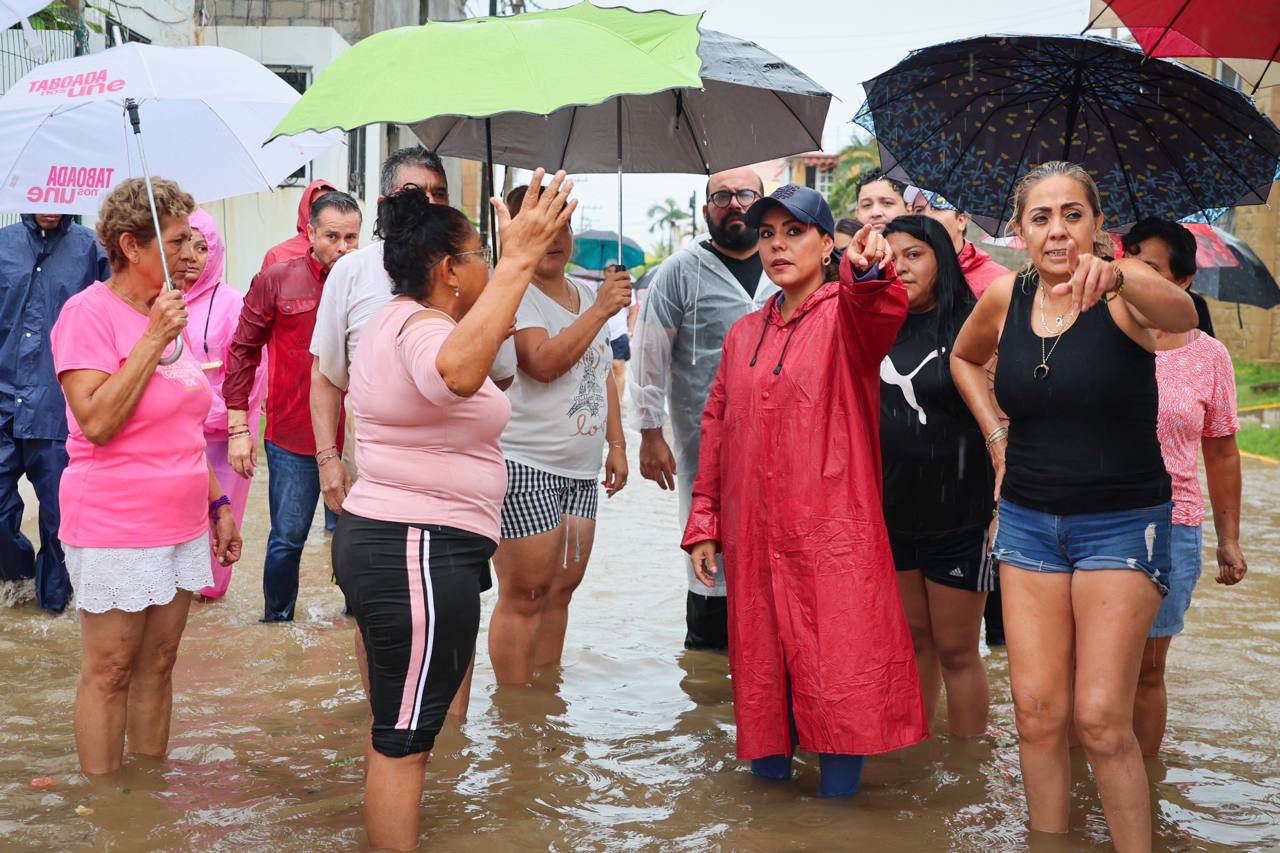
1136 539
1188 558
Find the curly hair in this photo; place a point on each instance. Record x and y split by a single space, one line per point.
1102 244
125 210
416 235
873 175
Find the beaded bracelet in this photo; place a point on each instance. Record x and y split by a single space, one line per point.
218 504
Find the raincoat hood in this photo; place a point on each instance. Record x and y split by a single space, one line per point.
314 190
64 224
214 268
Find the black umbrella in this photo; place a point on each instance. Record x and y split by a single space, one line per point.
967 118
1228 270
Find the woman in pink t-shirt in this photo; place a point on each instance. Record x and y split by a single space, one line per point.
417 529
1197 412
138 498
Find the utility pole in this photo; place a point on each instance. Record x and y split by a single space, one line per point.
693 214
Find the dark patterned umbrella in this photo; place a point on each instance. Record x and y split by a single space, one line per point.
967 118
1228 270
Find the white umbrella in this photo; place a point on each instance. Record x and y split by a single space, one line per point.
13 11
205 111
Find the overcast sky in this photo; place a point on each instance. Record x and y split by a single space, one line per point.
839 43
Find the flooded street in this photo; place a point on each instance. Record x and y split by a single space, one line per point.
628 747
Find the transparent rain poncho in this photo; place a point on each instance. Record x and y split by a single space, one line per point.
686 312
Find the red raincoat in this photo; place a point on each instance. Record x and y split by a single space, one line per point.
299 244
789 484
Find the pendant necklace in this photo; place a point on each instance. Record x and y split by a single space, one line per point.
1041 370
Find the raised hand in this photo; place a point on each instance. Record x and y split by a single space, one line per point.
1092 278
543 214
867 249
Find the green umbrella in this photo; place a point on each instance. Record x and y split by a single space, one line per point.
535 63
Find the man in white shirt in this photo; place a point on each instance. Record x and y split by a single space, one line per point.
356 289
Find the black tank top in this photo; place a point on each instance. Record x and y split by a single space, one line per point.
1083 439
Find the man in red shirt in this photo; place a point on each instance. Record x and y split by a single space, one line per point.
280 312
299 244
978 267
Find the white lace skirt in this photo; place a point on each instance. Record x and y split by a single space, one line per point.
133 579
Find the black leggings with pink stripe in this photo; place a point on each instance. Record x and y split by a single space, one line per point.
415 592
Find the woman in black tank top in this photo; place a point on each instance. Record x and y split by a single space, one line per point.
1083 495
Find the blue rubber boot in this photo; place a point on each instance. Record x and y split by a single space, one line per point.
841 775
776 768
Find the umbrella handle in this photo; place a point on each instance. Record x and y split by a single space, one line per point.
131 106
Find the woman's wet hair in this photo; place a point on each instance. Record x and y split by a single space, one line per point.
950 289
417 235
1102 245
1179 239
126 210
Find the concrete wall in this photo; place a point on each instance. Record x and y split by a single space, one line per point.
254 223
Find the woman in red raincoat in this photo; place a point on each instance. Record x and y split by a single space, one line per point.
789 487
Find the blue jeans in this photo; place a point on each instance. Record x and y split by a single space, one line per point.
42 461
293 492
1137 539
1188 557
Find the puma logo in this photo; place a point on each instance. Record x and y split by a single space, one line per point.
890 375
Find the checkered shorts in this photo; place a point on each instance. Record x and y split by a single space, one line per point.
536 500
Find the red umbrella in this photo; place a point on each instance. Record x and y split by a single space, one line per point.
1245 35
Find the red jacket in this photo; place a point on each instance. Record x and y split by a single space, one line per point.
299 244
978 268
789 484
279 311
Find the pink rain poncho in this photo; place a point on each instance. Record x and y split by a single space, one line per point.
213 308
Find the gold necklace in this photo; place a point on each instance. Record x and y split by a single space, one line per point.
1041 370
126 298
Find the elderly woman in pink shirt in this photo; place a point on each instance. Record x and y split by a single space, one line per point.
413 543
213 308
1197 414
141 507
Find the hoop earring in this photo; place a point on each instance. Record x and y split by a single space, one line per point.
826 261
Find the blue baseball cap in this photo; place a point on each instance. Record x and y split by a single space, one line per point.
805 204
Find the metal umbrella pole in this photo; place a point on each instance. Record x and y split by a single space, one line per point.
131 106
619 102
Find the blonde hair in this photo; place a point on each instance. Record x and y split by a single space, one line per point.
1102 244
126 210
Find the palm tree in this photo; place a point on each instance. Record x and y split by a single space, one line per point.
667 215
859 157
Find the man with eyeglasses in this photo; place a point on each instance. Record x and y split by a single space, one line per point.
696 296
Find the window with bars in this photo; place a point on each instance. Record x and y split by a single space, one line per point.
299 77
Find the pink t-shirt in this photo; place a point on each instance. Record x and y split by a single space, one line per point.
426 455
149 485
1197 400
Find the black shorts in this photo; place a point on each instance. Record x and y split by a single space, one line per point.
621 347
415 593
961 560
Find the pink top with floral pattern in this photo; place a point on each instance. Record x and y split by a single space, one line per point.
1197 401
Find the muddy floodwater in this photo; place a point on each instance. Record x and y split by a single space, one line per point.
628 746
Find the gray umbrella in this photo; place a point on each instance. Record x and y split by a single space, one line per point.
752 107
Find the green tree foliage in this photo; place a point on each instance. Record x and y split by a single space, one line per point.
666 216
855 159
